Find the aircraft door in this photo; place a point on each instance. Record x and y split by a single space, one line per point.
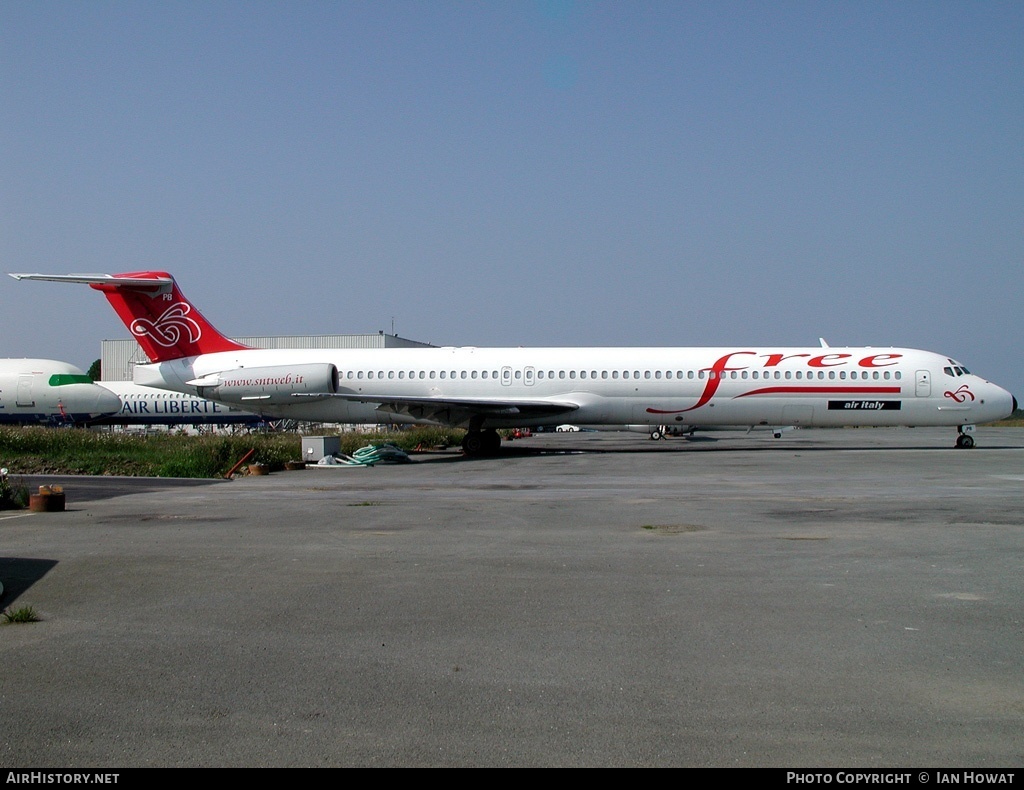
923 384
528 376
25 391
506 376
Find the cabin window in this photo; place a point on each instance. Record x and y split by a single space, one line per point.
518 375
472 374
898 375
886 375
359 375
604 374
572 374
615 374
583 374
657 374
401 374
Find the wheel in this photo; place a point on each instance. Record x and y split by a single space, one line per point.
655 435
481 443
492 441
473 443
965 441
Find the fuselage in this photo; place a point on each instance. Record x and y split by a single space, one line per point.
50 392
723 386
152 406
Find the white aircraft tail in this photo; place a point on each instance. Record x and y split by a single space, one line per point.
158 315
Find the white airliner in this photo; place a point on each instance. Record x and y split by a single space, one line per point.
486 389
152 406
48 392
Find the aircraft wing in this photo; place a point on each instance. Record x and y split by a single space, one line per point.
454 411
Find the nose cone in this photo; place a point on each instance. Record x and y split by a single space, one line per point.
106 402
999 403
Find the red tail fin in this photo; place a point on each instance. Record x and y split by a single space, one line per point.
158 315
164 322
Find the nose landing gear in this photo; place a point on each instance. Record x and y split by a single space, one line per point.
964 440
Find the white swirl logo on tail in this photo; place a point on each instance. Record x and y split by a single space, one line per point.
167 330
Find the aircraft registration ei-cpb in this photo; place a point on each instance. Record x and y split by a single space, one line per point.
484 389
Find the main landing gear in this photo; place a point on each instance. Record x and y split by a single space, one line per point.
481 442
964 440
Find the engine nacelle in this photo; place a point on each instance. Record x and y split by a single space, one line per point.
255 386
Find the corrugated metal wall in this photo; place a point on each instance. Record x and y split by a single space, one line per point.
117 357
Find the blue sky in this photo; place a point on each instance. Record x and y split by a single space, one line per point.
523 173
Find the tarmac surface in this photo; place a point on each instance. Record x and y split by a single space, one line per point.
832 598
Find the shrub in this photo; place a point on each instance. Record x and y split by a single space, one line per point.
24 614
13 494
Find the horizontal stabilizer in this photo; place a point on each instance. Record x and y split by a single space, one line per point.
99 279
